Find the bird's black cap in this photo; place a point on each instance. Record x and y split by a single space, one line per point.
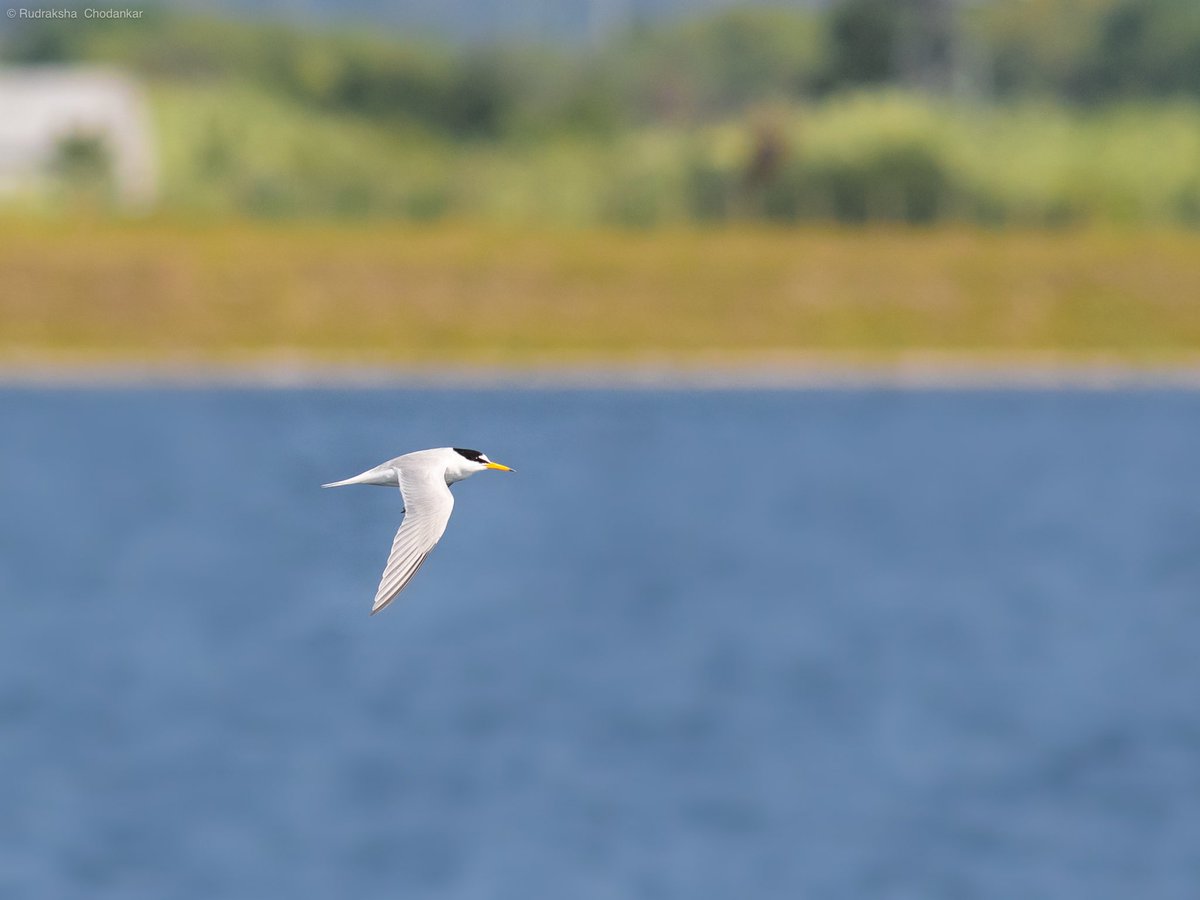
473 455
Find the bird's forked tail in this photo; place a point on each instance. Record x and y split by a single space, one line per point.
371 476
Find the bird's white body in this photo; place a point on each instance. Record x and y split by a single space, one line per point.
424 480
387 474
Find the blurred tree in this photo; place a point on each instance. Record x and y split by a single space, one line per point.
864 37
1093 52
478 99
83 168
1145 48
911 42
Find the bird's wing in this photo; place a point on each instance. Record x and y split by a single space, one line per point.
428 504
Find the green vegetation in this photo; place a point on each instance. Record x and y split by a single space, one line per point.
853 158
467 294
1039 113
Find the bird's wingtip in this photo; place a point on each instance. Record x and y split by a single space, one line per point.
382 604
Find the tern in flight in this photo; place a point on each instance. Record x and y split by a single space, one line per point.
424 479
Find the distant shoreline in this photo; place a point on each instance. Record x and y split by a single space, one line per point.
915 372
459 303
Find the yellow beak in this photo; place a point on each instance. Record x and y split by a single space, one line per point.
493 465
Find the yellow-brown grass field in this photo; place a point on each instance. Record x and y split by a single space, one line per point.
458 294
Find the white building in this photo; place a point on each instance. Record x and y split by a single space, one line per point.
40 107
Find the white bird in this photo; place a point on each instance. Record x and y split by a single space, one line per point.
424 479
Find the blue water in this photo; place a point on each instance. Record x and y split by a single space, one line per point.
703 645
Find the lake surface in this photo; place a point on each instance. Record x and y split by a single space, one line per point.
844 644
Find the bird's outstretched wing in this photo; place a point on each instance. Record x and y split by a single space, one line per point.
427 504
